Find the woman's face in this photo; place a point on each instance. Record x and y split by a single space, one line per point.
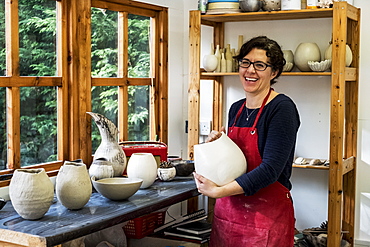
256 81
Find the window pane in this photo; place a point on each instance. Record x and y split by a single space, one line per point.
2 40
38 125
37 37
104 38
138 46
3 140
105 102
138 129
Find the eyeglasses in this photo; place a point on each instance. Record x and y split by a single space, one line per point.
259 66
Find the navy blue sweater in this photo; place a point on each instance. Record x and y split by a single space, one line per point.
277 131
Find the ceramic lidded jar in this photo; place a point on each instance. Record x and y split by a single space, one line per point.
144 166
221 160
306 52
31 193
73 186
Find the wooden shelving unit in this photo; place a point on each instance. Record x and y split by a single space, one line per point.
343 109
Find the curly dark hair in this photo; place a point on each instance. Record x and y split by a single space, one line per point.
273 52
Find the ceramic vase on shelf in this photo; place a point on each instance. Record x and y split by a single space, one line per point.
221 160
73 186
101 168
290 4
306 52
223 63
349 55
271 5
235 62
144 166
289 59
210 61
166 174
218 55
229 59
31 193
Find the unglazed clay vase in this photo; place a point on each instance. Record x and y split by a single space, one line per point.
221 160
144 166
306 52
101 168
349 56
271 5
73 186
31 193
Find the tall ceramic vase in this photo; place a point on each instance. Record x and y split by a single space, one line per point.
73 185
31 193
306 52
144 166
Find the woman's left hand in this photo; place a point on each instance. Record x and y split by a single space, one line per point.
206 186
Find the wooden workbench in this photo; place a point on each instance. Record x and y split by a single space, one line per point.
60 225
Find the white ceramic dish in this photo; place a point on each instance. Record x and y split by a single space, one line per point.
117 188
320 66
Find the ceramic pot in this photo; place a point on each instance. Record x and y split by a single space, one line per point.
31 193
101 168
221 160
349 55
250 5
73 186
288 55
166 174
306 52
271 5
144 166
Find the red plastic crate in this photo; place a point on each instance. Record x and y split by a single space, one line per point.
144 225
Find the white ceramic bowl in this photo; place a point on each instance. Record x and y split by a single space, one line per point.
320 66
117 188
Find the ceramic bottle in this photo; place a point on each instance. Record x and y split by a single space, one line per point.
144 166
229 59
218 55
223 63
31 193
73 186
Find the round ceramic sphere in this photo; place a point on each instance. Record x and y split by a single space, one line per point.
250 5
306 52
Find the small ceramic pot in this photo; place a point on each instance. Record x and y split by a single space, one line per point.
250 5
166 174
101 168
271 5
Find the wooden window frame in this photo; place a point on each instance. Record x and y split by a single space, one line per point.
74 87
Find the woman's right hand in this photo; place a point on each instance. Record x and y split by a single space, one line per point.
214 135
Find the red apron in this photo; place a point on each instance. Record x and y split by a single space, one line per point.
263 219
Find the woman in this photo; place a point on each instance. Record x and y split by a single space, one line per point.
256 208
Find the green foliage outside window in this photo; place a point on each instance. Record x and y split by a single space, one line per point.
37 34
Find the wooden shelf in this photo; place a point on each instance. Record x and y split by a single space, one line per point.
272 15
311 167
283 74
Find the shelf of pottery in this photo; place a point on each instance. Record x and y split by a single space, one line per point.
339 64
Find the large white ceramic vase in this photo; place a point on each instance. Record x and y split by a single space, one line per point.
144 166
221 160
73 186
31 193
306 52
